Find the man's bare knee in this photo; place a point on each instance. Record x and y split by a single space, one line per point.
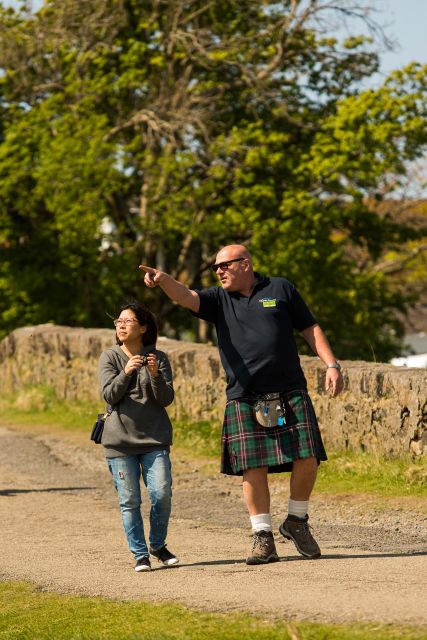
305 464
254 475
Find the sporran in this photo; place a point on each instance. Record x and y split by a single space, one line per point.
270 411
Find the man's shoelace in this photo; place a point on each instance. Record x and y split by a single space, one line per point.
259 541
304 529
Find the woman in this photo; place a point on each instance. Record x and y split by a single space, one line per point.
136 383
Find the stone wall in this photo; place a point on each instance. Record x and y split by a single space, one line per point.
382 408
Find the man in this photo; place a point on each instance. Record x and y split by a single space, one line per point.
255 318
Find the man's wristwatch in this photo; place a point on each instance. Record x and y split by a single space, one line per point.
334 365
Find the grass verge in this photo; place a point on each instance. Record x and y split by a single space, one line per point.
28 614
40 406
346 472
350 472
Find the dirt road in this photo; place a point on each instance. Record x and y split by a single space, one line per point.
60 528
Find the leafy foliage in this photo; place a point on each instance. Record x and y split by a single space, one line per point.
164 130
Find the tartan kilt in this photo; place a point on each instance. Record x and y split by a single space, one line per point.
247 445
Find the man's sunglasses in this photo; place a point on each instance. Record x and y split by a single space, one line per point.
225 265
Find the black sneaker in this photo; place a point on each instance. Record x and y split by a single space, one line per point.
164 555
298 530
263 548
143 564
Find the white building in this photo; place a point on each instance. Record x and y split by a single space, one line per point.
417 343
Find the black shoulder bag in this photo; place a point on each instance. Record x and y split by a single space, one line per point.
98 427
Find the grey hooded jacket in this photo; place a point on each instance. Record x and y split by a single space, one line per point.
139 422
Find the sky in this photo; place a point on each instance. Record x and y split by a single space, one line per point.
406 22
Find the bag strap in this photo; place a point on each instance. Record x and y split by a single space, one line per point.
108 411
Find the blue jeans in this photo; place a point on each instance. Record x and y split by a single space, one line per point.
156 473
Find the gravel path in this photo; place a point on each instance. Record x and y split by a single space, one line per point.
61 529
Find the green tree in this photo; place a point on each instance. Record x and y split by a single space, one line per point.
166 129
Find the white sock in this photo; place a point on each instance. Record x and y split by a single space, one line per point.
261 522
298 508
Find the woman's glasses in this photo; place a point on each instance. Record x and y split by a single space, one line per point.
126 321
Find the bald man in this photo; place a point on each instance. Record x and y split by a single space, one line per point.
255 317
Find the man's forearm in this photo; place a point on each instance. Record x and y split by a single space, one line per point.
179 293
175 290
319 343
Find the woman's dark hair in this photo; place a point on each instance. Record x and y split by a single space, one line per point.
145 318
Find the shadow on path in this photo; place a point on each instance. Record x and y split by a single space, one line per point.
337 556
12 492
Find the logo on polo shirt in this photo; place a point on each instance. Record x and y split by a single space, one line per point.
268 302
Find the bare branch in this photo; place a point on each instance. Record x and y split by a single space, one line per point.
399 265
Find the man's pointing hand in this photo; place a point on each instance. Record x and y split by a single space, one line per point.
152 276
175 290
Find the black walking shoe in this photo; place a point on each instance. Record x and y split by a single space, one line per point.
298 530
143 564
164 555
263 548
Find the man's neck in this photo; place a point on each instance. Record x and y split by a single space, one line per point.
247 290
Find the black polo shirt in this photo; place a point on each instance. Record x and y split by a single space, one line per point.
256 335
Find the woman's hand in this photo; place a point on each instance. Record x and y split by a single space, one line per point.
152 365
134 364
